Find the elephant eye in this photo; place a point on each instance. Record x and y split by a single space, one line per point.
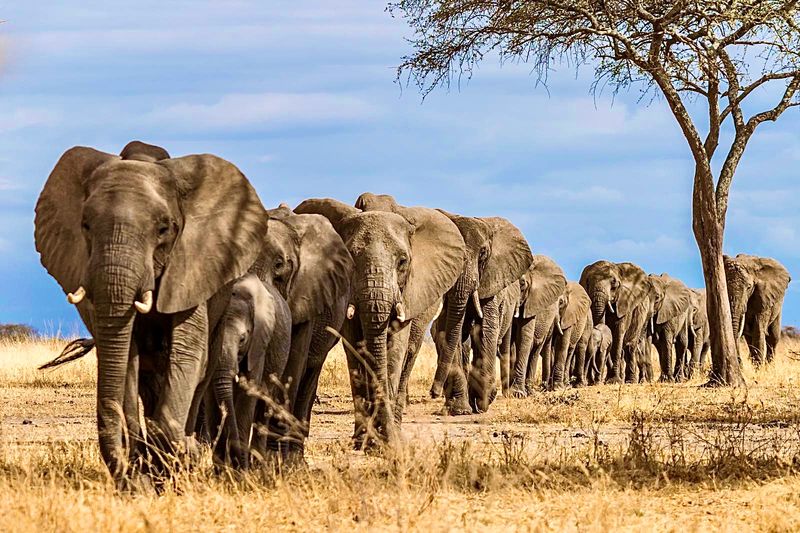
163 230
402 263
85 226
242 339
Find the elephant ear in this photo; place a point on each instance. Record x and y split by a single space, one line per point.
677 299
634 285
376 202
224 223
546 282
325 267
139 151
263 314
510 257
578 304
57 225
334 210
773 280
437 258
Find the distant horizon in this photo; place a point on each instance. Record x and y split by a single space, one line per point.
305 103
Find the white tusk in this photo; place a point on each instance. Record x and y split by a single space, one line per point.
652 324
400 309
351 311
516 312
77 296
741 327
558 327
438 310
146 304
477 302
611 307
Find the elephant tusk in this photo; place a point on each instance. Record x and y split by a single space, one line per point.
146 304
351 311
558 327
611 307
77 296
438 310
477 302
652 325
400 309
741 326
516 312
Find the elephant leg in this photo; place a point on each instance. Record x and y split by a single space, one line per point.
526 329
615 375
457 397
696 344
398 358
131 405
415 339
504 352
580 363
538 350
547 363
188 355
681 351
244 411
773 337
758 341
666 350
558 378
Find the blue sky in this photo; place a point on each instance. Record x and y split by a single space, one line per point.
301 96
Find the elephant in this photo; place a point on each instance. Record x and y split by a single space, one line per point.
308 263
598 352
670 324
252 341
756 288
570 337
123 237
619 294
405 260
497 255
699 334
644 360
540 289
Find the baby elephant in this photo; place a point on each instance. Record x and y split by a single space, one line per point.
254 339
597 353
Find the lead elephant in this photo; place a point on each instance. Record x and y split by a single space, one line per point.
405 260
619 294
122 237
670 325
308 263
756 288
497 255
540 289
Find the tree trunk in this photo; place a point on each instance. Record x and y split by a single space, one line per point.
708 231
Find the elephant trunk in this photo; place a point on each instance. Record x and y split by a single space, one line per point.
457 300
224 376
115 284
375 303
599 304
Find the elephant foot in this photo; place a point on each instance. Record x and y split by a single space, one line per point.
579 384
436 391
666 379
458 407
614 380
517 392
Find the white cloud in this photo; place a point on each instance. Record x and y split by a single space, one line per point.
270 110
267 158
639 250
26 117
7 184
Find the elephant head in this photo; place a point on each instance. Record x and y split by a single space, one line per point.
126 237
757 281
672 298
245 331
574 305
699 314
618 287
306 260
405 260
541 285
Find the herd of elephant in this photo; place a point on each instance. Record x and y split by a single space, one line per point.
191 289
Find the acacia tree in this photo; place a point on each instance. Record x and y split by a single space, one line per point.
715 55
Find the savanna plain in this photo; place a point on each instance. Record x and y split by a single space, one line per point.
632 457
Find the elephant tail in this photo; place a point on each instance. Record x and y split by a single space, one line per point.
72 351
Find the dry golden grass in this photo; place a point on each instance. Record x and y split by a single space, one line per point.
649 457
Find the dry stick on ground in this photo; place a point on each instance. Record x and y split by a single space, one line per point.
688 52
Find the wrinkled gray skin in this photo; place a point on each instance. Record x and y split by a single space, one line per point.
670 325
405 260
570 337
122 228
308 263
541 287
644 360
619 299
699 334
252 341
756 288
497 255
598 350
